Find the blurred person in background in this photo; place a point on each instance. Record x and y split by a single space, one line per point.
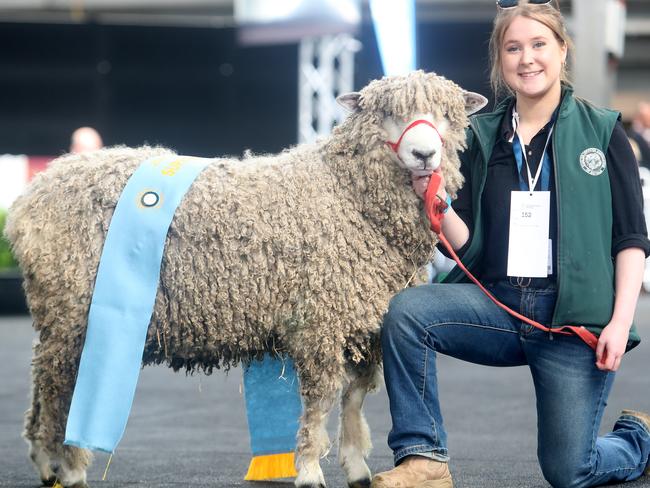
85 139
639 133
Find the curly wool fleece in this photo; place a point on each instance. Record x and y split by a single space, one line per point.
298 252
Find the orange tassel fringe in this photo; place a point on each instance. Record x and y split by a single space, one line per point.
271 466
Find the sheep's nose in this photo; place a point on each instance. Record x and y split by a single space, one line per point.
422 156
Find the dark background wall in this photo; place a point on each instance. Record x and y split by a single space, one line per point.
192 89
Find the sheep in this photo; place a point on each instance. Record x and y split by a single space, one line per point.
296 253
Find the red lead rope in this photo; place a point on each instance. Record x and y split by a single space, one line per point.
434 209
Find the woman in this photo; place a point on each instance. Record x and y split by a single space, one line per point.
550 218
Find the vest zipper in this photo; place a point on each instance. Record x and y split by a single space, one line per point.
557 217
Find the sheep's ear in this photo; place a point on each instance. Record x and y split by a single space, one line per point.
474 102
349 101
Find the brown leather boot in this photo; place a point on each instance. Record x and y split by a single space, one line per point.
415 472
644 418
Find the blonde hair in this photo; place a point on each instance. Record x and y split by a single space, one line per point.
548 15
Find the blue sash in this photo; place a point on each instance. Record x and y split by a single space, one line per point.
119 316
123 300
273 408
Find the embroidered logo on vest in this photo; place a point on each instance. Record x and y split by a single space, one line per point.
592 161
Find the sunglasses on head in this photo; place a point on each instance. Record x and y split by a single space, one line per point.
505 4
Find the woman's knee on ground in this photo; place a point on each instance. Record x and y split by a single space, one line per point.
561 472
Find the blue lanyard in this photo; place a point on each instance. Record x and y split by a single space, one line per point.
546 167
519 156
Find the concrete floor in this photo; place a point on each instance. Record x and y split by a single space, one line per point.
191 431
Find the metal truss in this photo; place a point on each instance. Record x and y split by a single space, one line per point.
325 70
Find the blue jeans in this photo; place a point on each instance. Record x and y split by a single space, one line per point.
459 320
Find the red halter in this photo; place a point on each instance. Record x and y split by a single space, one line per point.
395 145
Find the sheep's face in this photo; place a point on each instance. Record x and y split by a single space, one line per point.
416 142
418 117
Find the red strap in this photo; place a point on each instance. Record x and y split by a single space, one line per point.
434 208
395 145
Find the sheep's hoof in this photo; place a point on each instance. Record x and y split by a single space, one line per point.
49 481
80 484
364 483
319 485
57 484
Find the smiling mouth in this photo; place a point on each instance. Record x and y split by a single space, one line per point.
530 74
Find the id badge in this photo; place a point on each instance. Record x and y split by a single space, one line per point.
528 246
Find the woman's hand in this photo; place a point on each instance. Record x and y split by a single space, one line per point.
611 346
613 339
421 183
453 226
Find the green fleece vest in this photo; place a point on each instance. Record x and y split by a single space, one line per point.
585 270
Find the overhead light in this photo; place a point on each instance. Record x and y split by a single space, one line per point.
395 30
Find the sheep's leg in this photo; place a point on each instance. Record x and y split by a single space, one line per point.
313 441
354 434
53 380
36 452
321 377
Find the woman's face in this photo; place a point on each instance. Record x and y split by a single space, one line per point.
531 58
